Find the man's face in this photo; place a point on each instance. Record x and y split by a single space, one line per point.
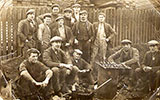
68 14
47 20
55 10
153 48
76 55
101 18
76 9
56 44
33 58
61 21
83 17
126 46
31 16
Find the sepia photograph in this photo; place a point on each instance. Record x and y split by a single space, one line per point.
79 49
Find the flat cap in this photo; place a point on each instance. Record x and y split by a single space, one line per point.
153 42
59 17
101 13
55 5
78 51
126 41
55 38
33 50
76 5
83 12
68 10
47 15
30 11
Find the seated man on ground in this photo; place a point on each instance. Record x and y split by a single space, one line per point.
34 82
84 75
127 55
150 69
61 66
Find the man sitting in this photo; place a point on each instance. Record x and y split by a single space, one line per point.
127 55
61 65
34 82
151 65
84 75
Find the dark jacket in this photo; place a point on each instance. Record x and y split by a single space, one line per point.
107 28
68 33
129 58
152 59
52 58
83 31
26 32
81 64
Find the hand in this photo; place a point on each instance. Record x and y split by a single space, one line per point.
89 40
67 44
68 71
45 83
107 40
76 41
147 69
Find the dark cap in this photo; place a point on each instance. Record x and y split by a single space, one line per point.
153 42
55 38
76 5
126 41
59 17
83 12
55 5
32 50
68 10
30 11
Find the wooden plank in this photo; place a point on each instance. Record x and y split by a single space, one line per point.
9 30
4 31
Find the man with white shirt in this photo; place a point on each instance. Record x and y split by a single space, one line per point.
103 33
44 32
76 9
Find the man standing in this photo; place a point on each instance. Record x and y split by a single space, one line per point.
27 29
34 82
76 10
54 14
151 65
56 60
44 32
68 19
83 33
64 32
103 34
85 69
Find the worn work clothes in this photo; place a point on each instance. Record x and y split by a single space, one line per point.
66 33
151 59
37 71
27 30
68 21
83 77
101 31
44 36
52 58
129 57
83 32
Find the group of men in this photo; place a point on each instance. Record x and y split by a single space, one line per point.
68 45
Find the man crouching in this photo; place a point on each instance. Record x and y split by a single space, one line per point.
34 82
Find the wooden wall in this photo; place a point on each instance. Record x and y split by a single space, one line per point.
139 26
